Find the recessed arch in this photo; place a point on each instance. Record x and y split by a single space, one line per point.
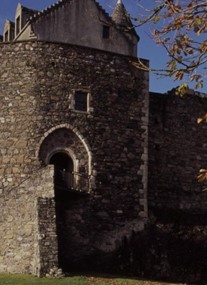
77 134
65 148
67 151
67 140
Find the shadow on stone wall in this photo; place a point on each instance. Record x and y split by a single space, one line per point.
175 252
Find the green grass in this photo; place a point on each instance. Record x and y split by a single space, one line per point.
6 279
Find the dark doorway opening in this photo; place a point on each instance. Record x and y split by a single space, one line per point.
63 167
69 201
63 183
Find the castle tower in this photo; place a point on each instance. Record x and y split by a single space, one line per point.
73 174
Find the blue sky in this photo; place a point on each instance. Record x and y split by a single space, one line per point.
146 48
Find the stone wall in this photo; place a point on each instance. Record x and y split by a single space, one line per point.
19 222
37 82
173 245
47 235
177 150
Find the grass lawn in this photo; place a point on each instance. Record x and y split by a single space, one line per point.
6 279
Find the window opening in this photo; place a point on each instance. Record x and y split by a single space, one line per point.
106 32
6 36
17 25
81 101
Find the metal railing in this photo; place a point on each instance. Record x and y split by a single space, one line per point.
72 181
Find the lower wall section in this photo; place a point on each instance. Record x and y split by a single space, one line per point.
19 247
72 237
173 247
168 251
48 251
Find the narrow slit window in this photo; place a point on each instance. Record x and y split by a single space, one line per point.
17 25
81 101
106 32
6 36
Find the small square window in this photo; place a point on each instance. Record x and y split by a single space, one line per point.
106 32
81 101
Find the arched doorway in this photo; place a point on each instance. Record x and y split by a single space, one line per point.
63 184
71 158
63 172
68 152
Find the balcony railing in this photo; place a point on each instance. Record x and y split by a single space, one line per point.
68 181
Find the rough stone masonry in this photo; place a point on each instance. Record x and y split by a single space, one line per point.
108 145
79 133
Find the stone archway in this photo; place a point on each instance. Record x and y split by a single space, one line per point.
64 149
66 141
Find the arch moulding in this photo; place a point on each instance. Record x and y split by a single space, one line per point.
77 133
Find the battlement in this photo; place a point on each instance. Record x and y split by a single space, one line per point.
65 22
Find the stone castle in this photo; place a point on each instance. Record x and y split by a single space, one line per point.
88 154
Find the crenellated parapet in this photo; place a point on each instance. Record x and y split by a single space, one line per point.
81 22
